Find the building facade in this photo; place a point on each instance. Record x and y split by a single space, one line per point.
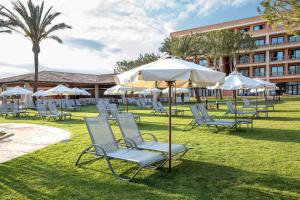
276 59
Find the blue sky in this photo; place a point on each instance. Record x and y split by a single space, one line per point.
107 31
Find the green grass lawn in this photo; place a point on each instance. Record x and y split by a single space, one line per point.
259 164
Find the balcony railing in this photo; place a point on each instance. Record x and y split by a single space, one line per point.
276 58
259 60
259 74
277 73
293 72
294 57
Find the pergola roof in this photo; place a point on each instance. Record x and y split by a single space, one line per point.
62 77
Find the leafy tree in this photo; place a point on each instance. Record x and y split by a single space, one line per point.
284 13
125 65
36 24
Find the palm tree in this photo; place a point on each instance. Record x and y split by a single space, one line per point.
4 25
35 24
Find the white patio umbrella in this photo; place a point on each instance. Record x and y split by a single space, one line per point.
236 81
166 72
122 90
61 91
17 91
79 92
40 93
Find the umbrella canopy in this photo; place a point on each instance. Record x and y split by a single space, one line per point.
156 74
149 91
236 81
178 91
166 72
60 90
121 90
266 84
16 91
40 93
77 91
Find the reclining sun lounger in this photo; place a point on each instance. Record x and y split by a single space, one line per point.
104 145
207 121
133 137
263 107
54 112
114 112
243 113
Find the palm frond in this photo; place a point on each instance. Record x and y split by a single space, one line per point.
56 38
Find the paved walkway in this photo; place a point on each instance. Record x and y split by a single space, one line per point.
27 138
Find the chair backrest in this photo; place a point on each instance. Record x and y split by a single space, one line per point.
230 106
143 103
52 109
41 107
246 101
204 112
13 107
155 107
101 134
129 128
196 114
78 103
101 109
113 109
160 106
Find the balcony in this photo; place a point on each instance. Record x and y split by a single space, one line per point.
259 74
277 74
281 58
294 57
293 72
259 60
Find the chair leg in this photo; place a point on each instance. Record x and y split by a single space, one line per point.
82 153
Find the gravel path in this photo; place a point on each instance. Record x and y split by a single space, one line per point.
27 138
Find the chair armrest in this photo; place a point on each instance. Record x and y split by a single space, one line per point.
131 143
154 138
96 146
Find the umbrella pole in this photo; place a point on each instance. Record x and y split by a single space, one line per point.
126 101
170 83
235 110
256 99
61 111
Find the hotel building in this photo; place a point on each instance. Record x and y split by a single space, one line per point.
276 59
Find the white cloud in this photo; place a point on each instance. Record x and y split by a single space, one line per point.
103 32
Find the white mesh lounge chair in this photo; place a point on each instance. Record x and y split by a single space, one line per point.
53 111
159 109
69 105
144 105
209 121
231 110
133 137
104 145
15 111
104 111
114 112
174 111
247 104
44 113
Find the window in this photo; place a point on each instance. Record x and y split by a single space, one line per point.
293 88
244 30
203 62
277 71
244 59
259 58
244 72
259 71
277 55
294 69
260 42
294 38
258 27
277 40
294 54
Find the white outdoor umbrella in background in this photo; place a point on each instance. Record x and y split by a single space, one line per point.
17 91
236 81
266 85
40 93
165 72
122 90
61 91
79 92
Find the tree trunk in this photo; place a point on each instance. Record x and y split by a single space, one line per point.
36 51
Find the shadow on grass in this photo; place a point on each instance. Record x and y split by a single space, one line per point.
279 135
35 179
